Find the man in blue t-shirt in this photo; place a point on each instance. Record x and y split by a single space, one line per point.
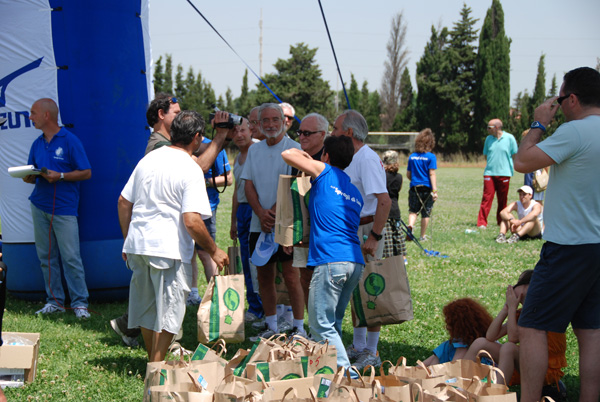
54 204
498 149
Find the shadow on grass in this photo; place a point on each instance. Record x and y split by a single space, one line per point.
120 364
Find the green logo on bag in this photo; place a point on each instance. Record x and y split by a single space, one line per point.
325 370
291 376
374 286
231 299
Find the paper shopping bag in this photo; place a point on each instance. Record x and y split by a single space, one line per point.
215 353
382 297
235 260
221 312
183 392
463 368
292 223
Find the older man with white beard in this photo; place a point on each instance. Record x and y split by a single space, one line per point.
264 165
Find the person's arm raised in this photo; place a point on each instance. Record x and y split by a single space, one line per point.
302 161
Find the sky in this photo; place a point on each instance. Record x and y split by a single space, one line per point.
567 32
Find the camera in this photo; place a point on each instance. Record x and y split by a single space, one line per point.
234 120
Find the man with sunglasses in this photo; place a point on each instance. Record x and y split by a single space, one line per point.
565 287
288 115
498 149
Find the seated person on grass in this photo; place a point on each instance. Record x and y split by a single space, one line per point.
528 225
506 355
466 320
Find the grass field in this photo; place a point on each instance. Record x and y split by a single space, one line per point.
85 360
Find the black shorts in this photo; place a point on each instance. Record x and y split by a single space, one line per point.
420 201
564 288
279 256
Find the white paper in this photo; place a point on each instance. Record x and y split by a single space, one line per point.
21 171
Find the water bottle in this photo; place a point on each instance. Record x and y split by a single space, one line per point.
470 231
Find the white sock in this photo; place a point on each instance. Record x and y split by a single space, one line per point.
372 341
300 325
271 322
289 315
280 310
360 338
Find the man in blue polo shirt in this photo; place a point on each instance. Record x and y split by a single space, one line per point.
54 204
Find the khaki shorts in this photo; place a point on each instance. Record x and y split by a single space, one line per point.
300 257
365 230
158 292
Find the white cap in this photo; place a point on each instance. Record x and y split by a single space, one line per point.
264 250
525 189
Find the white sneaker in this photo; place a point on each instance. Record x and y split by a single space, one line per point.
367 358
283 325
259 324
81 312
265 333
50 309
193 299
352 352
127 340
250 317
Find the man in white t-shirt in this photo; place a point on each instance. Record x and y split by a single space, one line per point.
368 175
161 209
527 225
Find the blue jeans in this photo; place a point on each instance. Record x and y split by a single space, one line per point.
65 235
330 291
244 215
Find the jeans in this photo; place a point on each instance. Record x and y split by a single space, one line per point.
64 233
244 215
331 288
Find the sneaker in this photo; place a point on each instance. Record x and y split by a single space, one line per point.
250 317
50 309
283 325
176 350
193 299
482 227
298 331
409 235
265 333
259 324
513 239
501 238
81 312
127 340
424 238
367 358
352 353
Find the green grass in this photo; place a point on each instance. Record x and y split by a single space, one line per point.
85 360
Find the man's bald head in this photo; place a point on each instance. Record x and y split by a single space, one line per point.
48 105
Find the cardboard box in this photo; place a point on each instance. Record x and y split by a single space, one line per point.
21 356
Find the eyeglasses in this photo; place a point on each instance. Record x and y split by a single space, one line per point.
307 133
560 99
173 100
254 122
491 127
289 117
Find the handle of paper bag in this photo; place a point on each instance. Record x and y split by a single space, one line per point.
424 367
372 375
401 359
272 357
313 393
546 398
351 392
417 394
493 378
359 376
195 382
222 344
253 396
486 354
376 389
291 390
391 365
339 375
181 361
262 379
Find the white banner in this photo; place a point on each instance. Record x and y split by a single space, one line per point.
27 73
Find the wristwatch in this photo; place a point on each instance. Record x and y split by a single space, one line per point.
62 177
537 124
376 236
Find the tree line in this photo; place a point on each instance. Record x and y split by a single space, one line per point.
462 82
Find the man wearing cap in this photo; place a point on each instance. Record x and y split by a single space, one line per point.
264 165
565 287
527 225
498 150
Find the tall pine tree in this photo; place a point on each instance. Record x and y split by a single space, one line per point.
492 75
406 119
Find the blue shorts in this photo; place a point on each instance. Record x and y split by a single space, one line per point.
564 288
211 227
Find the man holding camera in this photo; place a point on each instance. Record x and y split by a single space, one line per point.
264 165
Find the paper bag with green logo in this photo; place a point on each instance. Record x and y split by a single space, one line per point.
292 224
382 297
235 259
221 312
277 367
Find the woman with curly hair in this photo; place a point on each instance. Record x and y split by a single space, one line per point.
423 184
466 320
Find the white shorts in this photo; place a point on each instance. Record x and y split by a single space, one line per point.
158 292
300 257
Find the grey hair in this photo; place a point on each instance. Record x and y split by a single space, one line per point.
285 104
270 106
322 123
357 123
253 109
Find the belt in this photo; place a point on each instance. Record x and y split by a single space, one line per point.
367 219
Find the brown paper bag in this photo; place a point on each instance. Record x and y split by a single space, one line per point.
391 386
276 367
181 377
235 260
221 312
292 223
382 297
183 392
215 353
235 389
464 368
417 374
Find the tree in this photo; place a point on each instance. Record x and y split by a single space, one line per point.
159 79
539 91
397 59
354 94
553 87
458 86
180 86
432 69
243 103
298 81
168 76
492 74
406 119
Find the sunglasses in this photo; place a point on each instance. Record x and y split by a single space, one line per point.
173 100
491 127
560 99
307 133
289 117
